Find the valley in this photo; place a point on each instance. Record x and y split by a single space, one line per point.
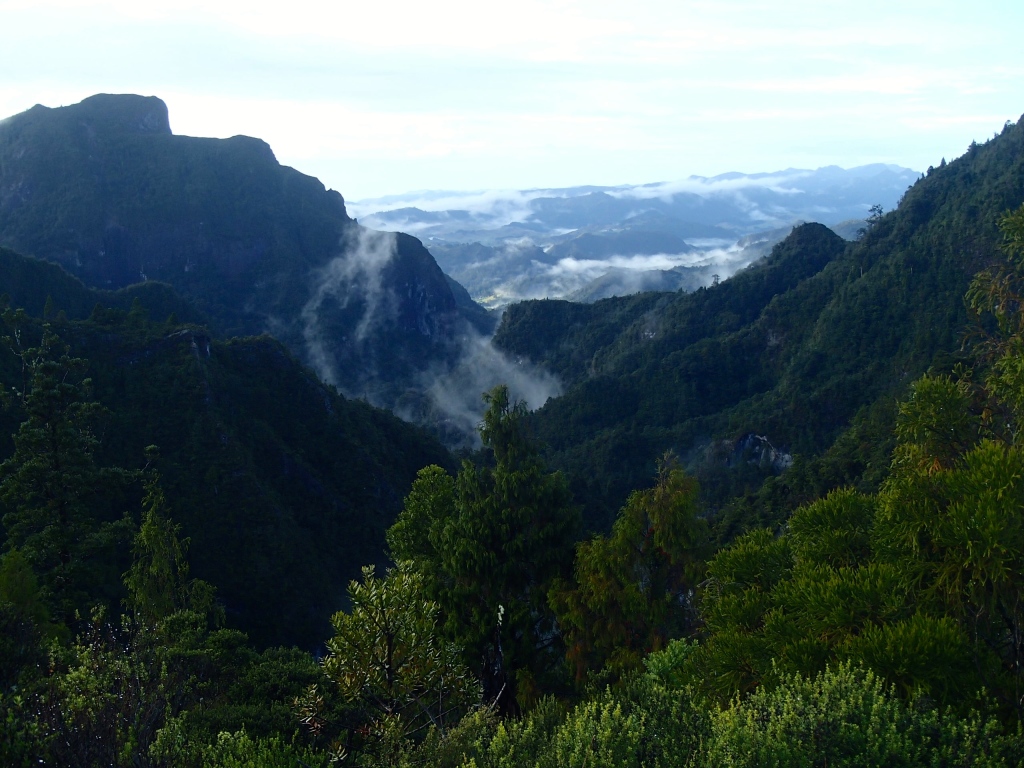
578 476
588 243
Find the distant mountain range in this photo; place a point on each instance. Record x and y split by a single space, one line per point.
590 242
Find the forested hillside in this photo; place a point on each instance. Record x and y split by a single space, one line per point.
790 349
284 487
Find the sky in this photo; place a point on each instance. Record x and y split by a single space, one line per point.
386 97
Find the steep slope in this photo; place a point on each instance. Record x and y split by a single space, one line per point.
579 342
284 487
791 363
104 189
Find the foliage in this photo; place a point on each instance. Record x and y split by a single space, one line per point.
632 591
388 659
239 750
494 541
845 717
157 581
46 485
134 695
921 582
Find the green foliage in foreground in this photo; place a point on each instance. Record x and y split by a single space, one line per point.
389 661
842 717
632 591
846 717
489 544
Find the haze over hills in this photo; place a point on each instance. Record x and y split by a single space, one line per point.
727 205
511 245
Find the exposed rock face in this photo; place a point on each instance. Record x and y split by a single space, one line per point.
105 189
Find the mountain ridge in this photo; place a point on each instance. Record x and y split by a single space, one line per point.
878 314
104 189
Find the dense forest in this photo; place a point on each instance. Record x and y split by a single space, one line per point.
791 349
779 521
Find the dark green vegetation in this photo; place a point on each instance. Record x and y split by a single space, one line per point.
791 349
876 629
490 543
174 504
105 190
283 486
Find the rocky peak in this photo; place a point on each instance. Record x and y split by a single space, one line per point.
107 113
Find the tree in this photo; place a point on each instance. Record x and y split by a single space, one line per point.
633 590
23 620
157 581
47 485
875 213
388 658
490 542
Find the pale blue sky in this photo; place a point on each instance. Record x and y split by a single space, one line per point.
386 97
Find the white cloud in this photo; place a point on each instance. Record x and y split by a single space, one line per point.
698 185
503 206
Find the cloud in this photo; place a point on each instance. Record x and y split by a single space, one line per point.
569 275
645 262
502 206
781 183
455 392
449 392
354 276
505 206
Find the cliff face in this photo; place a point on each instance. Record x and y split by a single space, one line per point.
105 189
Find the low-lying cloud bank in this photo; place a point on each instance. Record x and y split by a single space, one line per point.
739 202
500 275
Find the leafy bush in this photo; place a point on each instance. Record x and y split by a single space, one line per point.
844 718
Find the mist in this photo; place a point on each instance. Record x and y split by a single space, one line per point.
734 204
782 182
569 277
454 393
444 395
353 276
